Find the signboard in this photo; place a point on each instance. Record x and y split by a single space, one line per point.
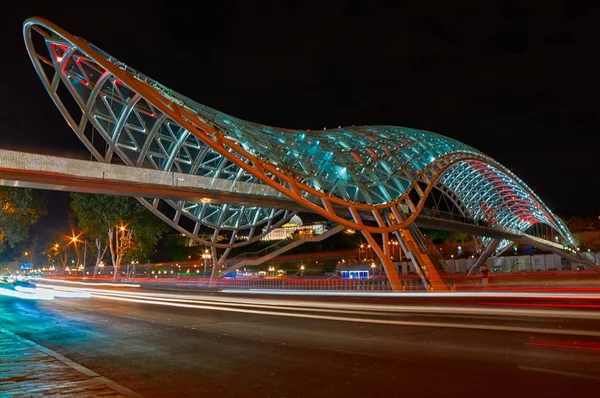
25 266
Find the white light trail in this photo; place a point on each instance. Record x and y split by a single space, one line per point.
282 292
25 294
86 283
364 320
364 308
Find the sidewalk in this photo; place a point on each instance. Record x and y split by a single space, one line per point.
30 370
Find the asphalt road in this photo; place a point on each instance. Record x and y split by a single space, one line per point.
204 348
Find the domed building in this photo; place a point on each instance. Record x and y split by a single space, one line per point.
295 229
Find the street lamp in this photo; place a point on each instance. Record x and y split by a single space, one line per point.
373 268
302 270
206 256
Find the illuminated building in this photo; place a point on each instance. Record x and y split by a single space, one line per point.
294 229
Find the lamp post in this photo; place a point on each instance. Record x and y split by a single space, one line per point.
302 270
373 268
74 240
395 244
206 256
27 254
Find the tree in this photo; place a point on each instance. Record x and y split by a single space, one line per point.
117 223
60 252
458 237
437 236
20 209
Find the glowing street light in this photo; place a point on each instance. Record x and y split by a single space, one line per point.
206 256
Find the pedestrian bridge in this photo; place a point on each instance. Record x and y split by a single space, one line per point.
218 172
38 171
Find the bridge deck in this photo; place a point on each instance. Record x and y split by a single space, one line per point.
31 170
38 171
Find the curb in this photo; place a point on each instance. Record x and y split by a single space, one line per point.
80 368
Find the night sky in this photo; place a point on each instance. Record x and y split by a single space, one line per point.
517 80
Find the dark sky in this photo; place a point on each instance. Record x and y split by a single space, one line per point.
516 79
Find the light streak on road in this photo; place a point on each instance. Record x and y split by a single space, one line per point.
362 312
24 293
364 320
86 283
495 294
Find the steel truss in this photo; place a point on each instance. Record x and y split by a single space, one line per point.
346 175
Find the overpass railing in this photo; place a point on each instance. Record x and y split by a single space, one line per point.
485 224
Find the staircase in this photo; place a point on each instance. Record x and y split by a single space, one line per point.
279 248
424 259
263 252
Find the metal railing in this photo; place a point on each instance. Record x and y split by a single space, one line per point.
263 252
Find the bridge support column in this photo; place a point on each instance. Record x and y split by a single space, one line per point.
385 257
485 254
216 264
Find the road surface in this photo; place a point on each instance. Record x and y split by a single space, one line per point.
258 345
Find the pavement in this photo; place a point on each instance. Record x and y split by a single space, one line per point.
30 370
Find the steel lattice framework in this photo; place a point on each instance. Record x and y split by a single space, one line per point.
344 174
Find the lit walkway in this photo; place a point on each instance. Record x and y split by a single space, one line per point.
30 370
32 170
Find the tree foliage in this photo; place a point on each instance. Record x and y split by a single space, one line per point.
101 218
20 209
